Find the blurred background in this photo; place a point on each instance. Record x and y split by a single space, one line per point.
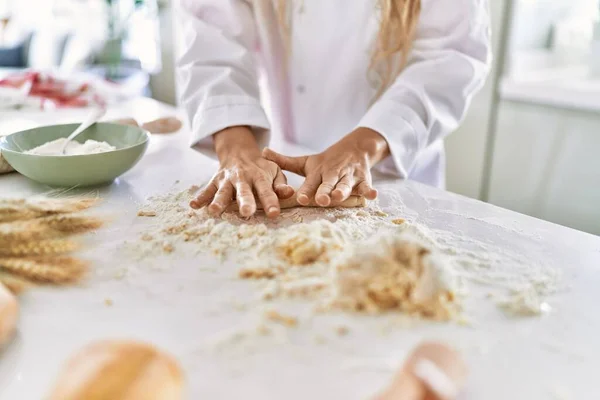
531 140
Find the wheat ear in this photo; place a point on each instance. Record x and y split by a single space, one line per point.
58 270
37 247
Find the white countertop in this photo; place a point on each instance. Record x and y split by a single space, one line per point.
189 301
570 88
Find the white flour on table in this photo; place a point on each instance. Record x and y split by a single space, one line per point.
257 245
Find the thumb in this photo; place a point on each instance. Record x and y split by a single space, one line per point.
292 164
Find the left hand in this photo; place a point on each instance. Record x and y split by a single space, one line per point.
339 171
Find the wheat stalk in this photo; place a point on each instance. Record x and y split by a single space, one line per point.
58 270
71 224
37 247
60 206
19 209
47 227
34 238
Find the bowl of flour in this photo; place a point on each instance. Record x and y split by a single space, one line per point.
97 156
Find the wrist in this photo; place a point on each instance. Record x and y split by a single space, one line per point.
371 144
235 142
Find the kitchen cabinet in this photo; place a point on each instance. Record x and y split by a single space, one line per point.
546 164
466 147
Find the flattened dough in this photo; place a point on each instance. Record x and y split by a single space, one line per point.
351 202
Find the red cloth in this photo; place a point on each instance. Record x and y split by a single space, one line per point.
52 92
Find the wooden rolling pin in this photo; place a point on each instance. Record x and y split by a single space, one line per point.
433 371
120 370
158 126
350 202
9 314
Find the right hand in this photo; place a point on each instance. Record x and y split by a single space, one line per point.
242 173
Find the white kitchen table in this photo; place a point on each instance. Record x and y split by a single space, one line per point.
189 303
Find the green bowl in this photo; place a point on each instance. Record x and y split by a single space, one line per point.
81 170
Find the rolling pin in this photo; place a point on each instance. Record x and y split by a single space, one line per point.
350 202
158 126
433 371
9 314
124 370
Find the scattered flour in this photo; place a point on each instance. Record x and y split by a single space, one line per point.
74 148
308 253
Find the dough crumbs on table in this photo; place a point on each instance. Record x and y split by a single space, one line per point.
146 213
396 273
108 302
168 248
257 273
341 259
278 317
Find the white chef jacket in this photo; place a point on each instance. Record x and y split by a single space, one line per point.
321 90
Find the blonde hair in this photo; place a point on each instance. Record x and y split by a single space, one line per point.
394 40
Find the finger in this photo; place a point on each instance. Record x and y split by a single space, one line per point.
292 164
308 189
267 197
323 196
282 189
245 198
206 195
366 190
223 198
343 189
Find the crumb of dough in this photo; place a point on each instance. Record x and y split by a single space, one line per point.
380 213
286 320
464 321
263 330
398 221
175 229
396 273
342 330
146 213
257 273
146 237
168 248
108 302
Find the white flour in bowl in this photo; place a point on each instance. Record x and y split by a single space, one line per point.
74 148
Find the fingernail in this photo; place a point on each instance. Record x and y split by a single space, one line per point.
302 199
272 210
324 200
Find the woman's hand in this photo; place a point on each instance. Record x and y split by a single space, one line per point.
242 173
341 170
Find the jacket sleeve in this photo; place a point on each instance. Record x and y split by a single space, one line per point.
217 71
448 64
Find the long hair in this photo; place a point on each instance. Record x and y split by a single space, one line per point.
394 40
